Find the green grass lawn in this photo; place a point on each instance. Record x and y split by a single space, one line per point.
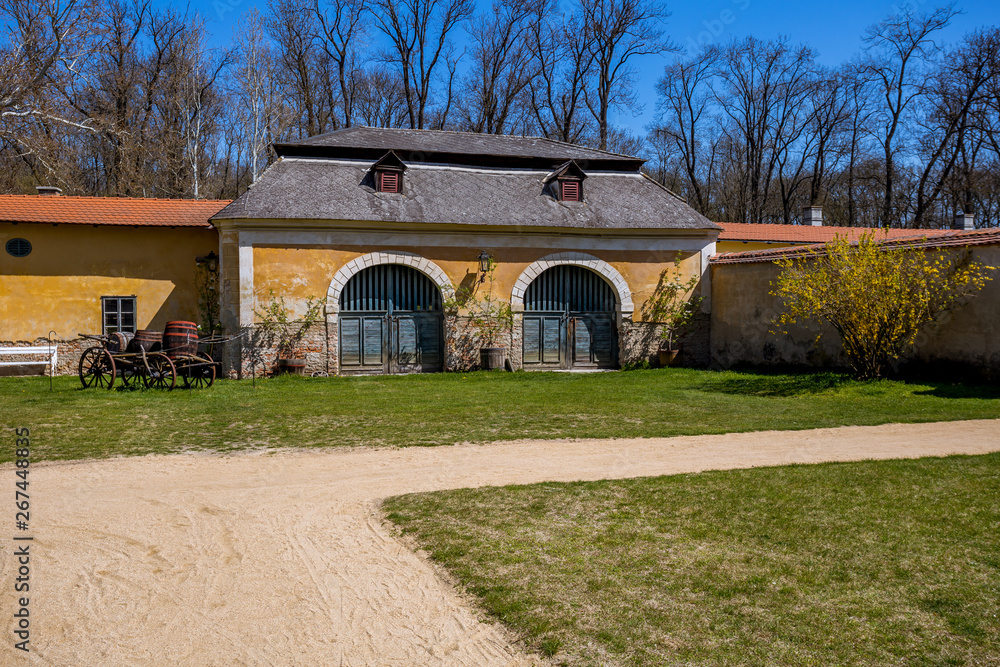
446 408
872 563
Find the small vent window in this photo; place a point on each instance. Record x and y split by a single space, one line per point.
388 181
19 247
571 190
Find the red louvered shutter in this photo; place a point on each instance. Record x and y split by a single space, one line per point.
571 190
389 181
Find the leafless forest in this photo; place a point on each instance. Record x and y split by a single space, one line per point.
116 97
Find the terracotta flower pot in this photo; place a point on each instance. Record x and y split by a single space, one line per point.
669 358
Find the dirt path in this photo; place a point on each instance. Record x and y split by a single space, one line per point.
282 559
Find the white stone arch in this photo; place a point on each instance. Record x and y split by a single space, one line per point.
359 264
599 266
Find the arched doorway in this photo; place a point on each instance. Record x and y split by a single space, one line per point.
391 321
569 320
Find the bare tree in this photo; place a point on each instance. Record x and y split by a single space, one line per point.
618 31
762 87
119 91
302 63
259 111
340 23
500 70
898 51
959 87
827 126
380 98
44 41
199 70
684 112
561 64
419 32
43 45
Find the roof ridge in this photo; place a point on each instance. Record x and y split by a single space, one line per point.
915 230
104 198
953 239
491 135
339 130
589 148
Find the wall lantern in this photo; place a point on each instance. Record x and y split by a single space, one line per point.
211 260
484 265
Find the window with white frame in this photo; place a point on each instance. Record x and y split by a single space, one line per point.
118 313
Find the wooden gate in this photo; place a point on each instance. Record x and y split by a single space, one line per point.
391 321
569 320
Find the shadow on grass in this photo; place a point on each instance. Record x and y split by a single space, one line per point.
776 385
790 383
942 390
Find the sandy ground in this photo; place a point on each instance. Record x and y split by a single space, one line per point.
282 558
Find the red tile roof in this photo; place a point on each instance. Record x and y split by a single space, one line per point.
741 231
942 238
109 210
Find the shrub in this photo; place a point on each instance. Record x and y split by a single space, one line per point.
281 329
672 303
488 314
877 297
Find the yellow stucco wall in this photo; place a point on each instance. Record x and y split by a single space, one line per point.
300 273
743 312
60 284
971 334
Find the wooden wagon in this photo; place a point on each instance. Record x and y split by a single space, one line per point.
146 362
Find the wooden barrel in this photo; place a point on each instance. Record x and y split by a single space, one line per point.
180 339
147 340
492 358
118 341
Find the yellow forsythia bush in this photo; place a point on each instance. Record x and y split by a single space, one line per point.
876 296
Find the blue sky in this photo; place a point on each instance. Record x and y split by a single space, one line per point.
833 29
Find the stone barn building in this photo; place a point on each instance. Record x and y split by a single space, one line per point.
385 225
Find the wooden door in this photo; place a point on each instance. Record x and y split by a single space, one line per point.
593 340
569 320
363 344
391 321
416 345
544 339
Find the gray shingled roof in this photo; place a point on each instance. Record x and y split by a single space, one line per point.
328 189
415 145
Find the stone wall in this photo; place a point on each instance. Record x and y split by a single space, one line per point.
962 343
255 353
462 345
640 342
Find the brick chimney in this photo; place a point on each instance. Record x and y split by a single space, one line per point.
812 216
48 190
964 221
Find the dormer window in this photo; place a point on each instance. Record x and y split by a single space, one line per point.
571 189
388 181
566 182
388 174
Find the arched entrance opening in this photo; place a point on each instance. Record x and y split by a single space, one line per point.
391 321
569 320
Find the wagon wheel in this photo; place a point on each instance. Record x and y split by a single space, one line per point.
199 376
97 368
128 371
162 374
